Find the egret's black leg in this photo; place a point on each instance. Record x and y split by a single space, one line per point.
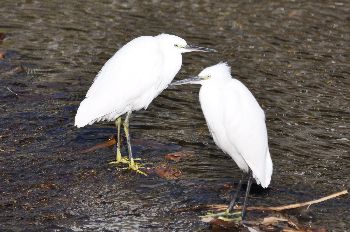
236 196
247 194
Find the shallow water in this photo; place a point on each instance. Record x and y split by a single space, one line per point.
293 55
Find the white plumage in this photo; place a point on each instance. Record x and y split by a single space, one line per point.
235 120
129 81
132 78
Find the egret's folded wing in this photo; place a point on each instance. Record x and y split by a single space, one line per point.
139 56
246 130
127 76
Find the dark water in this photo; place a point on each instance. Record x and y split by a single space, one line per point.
293 55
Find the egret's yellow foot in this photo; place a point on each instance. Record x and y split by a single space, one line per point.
136 167
120 159
225 216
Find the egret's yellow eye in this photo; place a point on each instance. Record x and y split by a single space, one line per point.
179 46
205 77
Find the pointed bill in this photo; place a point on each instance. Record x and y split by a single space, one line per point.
191 80
195 48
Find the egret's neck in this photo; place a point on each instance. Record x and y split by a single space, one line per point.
171 64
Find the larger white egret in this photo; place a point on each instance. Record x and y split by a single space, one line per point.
236 122
130 80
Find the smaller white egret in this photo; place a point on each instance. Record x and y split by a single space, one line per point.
236 122
130 80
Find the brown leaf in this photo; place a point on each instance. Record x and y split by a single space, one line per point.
2 55
272 221
166 172
110 142
180 155
2 36
219 225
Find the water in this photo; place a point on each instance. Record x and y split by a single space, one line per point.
293 55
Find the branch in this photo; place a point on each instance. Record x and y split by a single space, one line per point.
11 91
221 207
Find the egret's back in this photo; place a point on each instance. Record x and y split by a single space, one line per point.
237 124
129 81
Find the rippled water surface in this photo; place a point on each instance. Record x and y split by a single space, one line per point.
293 55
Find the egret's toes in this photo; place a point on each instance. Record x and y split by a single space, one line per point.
122 160
226 216
136 167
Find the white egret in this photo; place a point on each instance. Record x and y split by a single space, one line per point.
236 122
130 80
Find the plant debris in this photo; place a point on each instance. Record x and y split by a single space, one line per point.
269 223
2 36
2 55
166 172
179 156
110 142
221 207
11 91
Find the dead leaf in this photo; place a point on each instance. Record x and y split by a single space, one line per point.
219 225
166 172
2 55
272 221
110 142
180 155
2 36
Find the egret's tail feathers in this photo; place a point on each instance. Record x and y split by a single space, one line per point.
88 112
263 176
266 179
96 109
83 116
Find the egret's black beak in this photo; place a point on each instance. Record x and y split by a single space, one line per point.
192 80
195 48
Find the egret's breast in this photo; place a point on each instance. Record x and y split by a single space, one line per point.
213 107
169 68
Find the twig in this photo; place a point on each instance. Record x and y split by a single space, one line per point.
282 207
8 88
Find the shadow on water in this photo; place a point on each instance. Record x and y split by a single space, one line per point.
292 55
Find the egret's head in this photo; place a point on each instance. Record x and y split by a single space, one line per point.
220 71
175 43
